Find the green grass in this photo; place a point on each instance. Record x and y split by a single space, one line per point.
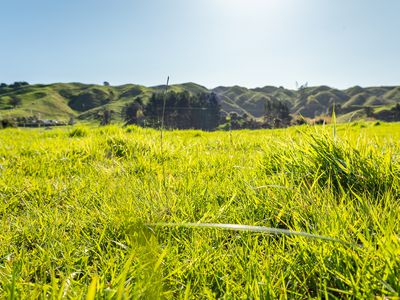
85 213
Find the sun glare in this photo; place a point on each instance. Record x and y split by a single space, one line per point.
247 6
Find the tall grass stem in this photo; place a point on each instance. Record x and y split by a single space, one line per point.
162 130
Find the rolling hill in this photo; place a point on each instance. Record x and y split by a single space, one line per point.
61 101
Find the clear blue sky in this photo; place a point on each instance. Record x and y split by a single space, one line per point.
251 43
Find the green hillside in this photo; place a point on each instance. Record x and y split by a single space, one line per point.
61 101
310 101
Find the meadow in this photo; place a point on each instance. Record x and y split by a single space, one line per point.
83 212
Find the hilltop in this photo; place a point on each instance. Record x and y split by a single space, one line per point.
87 101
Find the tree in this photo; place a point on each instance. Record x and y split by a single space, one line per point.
14 101
106 83
19 84
369 111
153 110
277 113
5 123
233 120
213 111
106 118
396 112
133 113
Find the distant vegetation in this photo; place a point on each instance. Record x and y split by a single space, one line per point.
234 107
182 110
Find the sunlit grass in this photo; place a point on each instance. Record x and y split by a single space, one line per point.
76 204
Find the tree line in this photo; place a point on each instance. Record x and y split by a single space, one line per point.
14 85
181 110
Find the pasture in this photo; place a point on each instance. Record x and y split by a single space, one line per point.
81 207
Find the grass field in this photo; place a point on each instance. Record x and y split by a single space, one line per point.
78 208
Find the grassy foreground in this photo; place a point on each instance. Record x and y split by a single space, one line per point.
75 205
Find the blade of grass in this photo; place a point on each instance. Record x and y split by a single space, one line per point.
250 228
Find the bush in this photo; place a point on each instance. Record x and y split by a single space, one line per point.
6 123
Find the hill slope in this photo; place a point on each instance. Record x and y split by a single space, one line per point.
309 102
86 101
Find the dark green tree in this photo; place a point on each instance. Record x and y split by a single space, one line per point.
277 114
19 84
132 113
15 101
369 111
106 118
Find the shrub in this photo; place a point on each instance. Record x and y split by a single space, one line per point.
6 123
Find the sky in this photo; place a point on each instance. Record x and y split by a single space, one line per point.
251 43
